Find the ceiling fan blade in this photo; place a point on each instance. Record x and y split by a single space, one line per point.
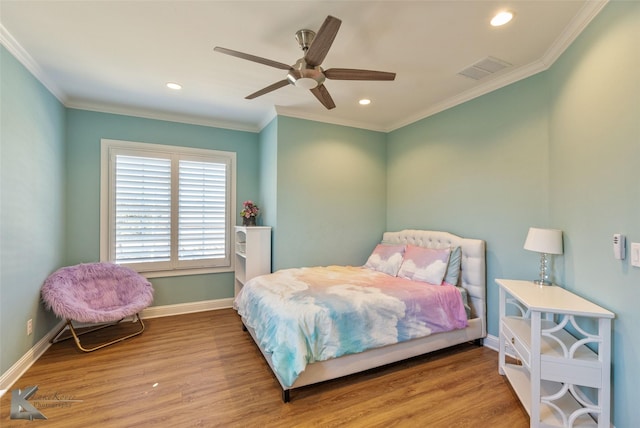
253 58
322 94
322 41
355 74
268 89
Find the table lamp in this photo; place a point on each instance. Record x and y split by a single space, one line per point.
545 242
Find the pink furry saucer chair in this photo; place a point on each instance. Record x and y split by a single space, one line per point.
96 293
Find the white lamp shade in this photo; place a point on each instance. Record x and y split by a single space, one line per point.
548 241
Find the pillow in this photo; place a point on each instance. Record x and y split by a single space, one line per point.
386 259
453 268
424 264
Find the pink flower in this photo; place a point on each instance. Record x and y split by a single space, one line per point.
250 209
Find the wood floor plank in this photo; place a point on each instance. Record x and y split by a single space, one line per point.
202 370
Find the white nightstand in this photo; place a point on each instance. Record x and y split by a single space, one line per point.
556 365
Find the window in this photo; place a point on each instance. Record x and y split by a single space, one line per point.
166 210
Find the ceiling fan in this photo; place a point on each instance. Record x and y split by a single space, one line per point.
306 72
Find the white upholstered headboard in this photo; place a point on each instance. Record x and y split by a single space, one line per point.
473 275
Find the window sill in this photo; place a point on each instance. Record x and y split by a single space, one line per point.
185 272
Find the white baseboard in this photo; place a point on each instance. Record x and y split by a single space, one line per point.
186 308
8 378
491 342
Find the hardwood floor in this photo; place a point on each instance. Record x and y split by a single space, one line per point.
202 370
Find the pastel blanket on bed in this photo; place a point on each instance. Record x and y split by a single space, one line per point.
313 314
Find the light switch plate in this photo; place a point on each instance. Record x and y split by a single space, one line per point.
635 254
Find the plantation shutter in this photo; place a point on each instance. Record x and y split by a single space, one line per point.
166 210
202 210
142 209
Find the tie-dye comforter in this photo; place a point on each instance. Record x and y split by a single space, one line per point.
314 314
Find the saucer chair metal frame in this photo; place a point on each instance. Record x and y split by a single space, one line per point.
76 334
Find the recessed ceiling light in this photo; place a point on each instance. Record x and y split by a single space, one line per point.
174 86
364 102
502 18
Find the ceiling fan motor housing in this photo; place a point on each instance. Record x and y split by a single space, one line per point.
302 75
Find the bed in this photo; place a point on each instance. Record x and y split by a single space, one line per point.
415 333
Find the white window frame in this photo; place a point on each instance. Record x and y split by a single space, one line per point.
111 148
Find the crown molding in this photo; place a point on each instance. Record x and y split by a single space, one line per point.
584 17
515 75
588 12
272 114
16 49
159 115
295 113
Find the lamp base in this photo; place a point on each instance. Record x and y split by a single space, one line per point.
543 279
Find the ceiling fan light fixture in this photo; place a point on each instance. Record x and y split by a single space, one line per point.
306 83
305 77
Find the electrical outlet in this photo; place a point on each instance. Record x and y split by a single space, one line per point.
29 327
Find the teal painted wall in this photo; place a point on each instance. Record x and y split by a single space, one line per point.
268 174
85 130
331 185
32 204
477 170
560 149
269 178
594 186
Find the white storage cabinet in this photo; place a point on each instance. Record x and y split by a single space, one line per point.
252 255
559 372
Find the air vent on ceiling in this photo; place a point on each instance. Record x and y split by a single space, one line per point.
484 68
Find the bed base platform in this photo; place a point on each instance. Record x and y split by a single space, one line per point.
321 371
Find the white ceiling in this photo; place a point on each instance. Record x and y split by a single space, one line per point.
117 56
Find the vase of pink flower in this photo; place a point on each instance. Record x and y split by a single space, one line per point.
249 213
